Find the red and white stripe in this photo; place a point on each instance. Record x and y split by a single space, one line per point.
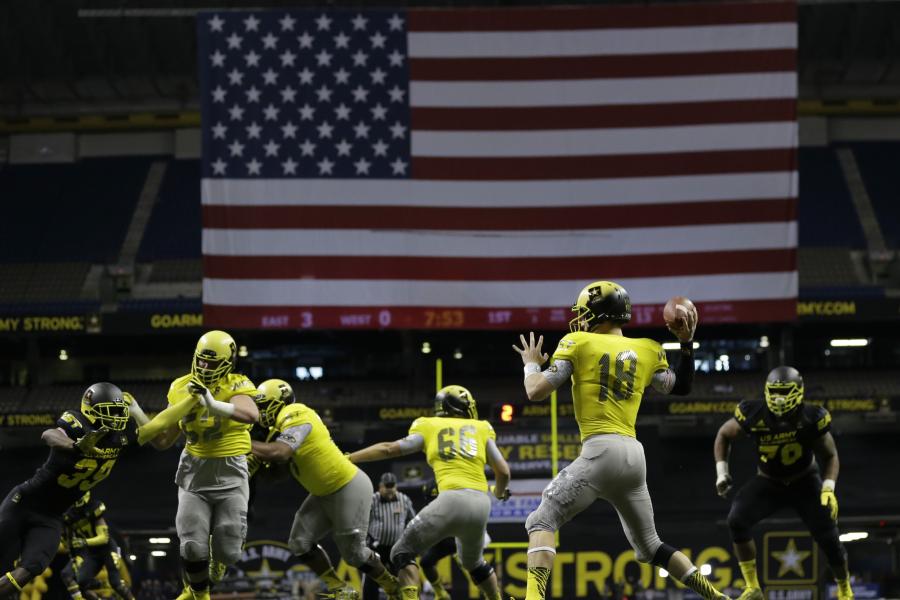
652 145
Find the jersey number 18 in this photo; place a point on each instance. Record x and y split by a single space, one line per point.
622 383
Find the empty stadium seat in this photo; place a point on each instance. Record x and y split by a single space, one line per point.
826 213
879 162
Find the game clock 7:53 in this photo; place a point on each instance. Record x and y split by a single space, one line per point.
444 318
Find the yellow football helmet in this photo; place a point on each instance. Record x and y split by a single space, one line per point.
784 390
274 394
600 301
455 401
214 357
104 406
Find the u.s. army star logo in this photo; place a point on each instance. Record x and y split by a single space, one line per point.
790 560
791 557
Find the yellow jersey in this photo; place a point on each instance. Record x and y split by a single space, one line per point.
609 374
318 464
456 449
211 436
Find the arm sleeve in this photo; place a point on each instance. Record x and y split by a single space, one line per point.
170 416
559 372
684 371
414 442
295 436
493 452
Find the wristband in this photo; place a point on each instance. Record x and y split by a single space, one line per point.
530 368
829 484
721 468
687 347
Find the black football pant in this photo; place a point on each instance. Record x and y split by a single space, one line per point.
27 534
370 586
92 561
762 496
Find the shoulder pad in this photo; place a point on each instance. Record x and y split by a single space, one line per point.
288 411
179 383
746 411
238 381
817 415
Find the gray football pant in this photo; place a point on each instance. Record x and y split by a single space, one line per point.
462 514
212 501
613 468
345 513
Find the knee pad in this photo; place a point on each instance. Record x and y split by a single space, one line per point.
662 556
542 519
227 542
195 550
481 573
740 529
353 549
301 548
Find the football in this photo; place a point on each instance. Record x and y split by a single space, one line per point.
676 309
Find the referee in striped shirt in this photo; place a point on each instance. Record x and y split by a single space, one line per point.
391 511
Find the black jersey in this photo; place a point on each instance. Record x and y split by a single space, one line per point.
785 448
66 476
81 521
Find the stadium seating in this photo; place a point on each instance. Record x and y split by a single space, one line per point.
70 212
826 214
174 228
878 163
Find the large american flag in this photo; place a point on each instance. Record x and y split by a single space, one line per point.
476 168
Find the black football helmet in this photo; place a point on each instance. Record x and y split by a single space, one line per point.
274 394
455 401
600 301
104 406
784 390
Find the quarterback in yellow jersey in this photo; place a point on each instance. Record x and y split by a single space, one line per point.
609 373
457 446
212 475
340 495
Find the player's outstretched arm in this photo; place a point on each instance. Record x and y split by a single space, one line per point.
384 450
165 419
728 432
500 468
101 539
57 438
538 385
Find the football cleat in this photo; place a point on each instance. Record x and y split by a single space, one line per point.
600 301
213 357
844 591
455 401
217 571
784 390
274 394
186 594
751 593
104 406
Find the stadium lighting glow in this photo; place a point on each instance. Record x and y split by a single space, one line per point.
243 352
676 345
764 341
853 536
132 557
706 570
158 553
426 348
850 343
63 355
160 540
663 572
457 354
